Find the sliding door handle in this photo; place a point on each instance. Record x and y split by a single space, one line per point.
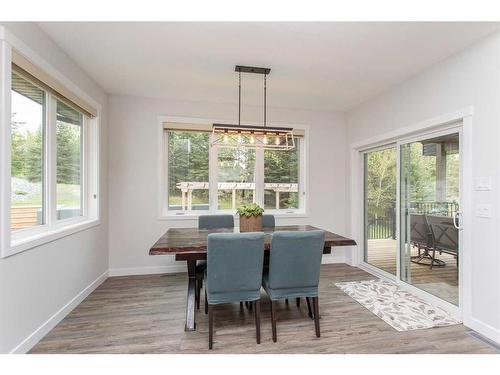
456 220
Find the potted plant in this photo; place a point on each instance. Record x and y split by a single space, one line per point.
250 217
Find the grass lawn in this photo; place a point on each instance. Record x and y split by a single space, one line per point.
67 196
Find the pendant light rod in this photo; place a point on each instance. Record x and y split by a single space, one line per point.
239 98
265 100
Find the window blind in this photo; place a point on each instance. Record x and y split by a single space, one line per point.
24 67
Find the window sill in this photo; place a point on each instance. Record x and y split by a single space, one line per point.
194 216
23 244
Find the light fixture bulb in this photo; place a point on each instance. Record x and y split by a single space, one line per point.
277 140
265 139
225 138
239 138
252 139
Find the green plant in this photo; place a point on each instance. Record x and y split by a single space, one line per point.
248 210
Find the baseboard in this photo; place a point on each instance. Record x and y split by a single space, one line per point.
181 267
333 259
129 271
41 331
484 329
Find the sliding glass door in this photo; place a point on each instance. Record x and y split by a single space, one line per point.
380 174
429 222
411 207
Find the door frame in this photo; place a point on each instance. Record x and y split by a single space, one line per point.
461 120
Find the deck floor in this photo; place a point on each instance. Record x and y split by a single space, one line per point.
145 314
440 281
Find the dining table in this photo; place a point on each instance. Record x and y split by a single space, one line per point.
190 245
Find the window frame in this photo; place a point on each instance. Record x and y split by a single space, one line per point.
16 241
166 214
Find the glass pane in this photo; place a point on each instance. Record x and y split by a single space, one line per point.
430 171
28 125
380 209
281 178
69 130
236 178
188 170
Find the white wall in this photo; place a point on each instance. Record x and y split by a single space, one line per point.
37 283
133 175
470 78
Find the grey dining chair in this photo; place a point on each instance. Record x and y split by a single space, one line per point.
209 222
233 273
268 221
294 269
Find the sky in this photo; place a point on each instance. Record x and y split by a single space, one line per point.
26 111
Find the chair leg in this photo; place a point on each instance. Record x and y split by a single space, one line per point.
257 320
316 315
210 326
308 300
433 257
297 300
286 301
273 320
250 305
241 305
206 302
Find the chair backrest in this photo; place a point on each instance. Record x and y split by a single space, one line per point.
234 262
295 259
444 233
215 221
268 221
420 231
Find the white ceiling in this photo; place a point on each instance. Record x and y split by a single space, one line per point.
322 66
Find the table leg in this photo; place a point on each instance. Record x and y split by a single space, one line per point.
191 297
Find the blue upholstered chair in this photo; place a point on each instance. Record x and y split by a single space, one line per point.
268 221
294 269
215 221
209 222
233 273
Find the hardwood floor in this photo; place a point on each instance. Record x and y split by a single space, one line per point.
440 281
145 314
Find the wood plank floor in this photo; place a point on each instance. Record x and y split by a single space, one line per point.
145 314
440 281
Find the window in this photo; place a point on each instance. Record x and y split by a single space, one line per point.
187 170
27 154
281 178
236 177
53 164
69 131
214 179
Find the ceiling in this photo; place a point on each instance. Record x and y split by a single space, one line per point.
317 66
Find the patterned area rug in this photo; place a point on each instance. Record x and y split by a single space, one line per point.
395 306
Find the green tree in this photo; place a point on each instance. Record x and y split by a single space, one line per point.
33 156
68 140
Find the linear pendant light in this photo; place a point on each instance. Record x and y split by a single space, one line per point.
251 136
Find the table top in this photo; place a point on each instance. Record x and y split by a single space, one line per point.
194 240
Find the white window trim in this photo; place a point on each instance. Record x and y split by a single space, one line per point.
165 214
15 242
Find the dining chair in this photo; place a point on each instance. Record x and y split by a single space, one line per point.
209 222
233 273
294 269
268 221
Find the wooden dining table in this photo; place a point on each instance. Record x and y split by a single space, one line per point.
190 245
